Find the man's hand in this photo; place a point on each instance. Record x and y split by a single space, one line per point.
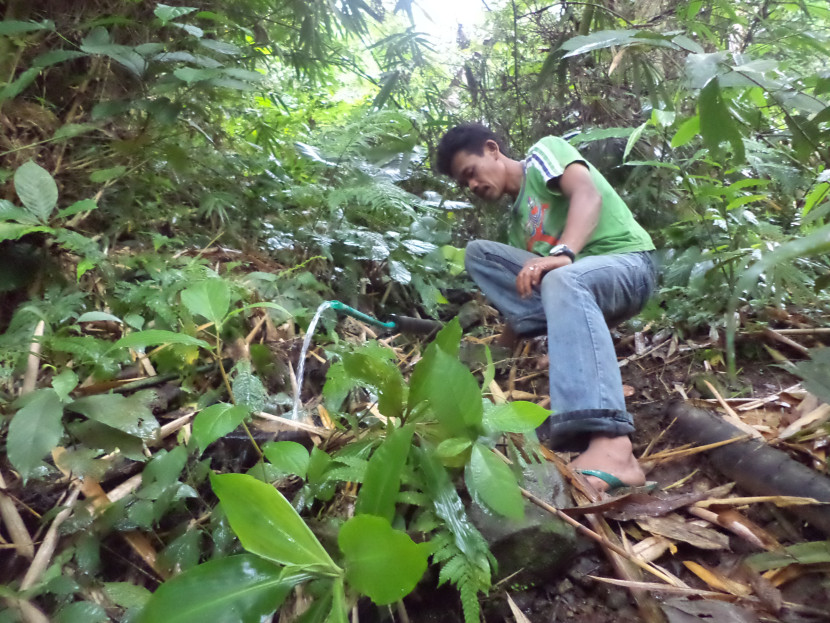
534 269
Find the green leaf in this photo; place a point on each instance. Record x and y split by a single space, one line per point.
220 47
815 552
13 231
97 316
210 298
191 75
82 612
71 130
16 27
596 41
168 13
383 475
36 189
289 457
716 122
452 447
99 42
248 390
381 562
236 589
515 417
686 132
372 366
452 392
492 482
125 414
105 175
54 57
64 383
275 531
633 139
84 205
217 421
34 431
127 594
154 337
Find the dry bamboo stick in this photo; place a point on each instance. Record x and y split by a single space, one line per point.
14 523
731 416
323 432
599 538
44 553
775 335
33 362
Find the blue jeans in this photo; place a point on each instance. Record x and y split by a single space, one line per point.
575 304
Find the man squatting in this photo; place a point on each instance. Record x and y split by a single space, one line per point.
577 261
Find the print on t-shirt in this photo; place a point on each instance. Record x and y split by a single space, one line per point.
534 228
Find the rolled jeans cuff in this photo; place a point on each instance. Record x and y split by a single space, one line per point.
571 431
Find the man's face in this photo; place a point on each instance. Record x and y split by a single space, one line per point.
484 175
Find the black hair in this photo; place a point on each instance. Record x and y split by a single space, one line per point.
468 137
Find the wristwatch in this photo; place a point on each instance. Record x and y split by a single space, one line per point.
562 249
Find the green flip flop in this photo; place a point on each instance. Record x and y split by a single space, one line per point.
615 485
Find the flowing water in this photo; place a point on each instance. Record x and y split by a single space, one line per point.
306 343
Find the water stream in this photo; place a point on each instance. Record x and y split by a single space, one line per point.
306 343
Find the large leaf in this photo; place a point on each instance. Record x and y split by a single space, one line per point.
210 298
288 457
154 337
383 476
217 421
275 531
491 481
452 392
168 13
125 414
99 42
716 122
448 340
515 417
381 562
373 367
34 431
36 189
237 589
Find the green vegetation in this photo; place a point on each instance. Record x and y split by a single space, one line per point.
144 145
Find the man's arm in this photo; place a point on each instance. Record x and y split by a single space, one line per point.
584 207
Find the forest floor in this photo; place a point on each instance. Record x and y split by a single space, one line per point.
715 557
718 558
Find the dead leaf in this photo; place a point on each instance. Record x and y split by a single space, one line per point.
651 548
717 580
688 611
678 529
520 616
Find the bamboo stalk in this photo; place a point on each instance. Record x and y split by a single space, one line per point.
14 523
44 553
33 361
599 538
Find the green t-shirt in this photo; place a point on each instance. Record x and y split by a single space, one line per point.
538 216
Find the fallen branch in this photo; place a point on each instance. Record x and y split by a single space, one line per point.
44 553
783 339
33 361
14 523
756 467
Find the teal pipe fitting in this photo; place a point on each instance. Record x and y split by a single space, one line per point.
351 311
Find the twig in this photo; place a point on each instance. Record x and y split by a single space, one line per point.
250 337
33 362
762 401
14 523
323 432
731 416
775 335
814 331
779 500
684 451
598 538
47 547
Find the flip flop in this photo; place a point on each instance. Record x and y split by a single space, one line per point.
615 485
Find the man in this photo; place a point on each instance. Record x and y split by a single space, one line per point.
577 260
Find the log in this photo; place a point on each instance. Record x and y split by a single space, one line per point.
754 466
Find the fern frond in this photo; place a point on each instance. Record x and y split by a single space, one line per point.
469 600
454 570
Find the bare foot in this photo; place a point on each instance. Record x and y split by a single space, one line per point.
613 455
